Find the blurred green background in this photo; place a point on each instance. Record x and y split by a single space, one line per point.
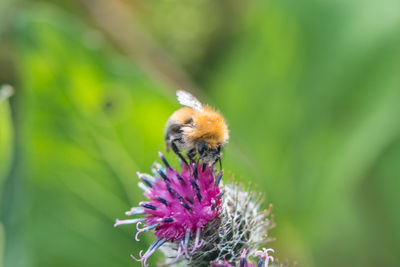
310 89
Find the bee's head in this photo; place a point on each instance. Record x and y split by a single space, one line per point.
209 154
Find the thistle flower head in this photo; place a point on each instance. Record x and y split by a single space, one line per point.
180 206
197 221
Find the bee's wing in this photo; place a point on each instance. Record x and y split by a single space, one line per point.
187 99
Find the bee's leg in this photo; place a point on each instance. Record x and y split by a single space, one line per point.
204 167
177 152
191 154
220 163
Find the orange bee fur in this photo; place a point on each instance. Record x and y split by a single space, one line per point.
209 126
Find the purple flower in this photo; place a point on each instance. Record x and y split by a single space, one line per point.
199 222
180 206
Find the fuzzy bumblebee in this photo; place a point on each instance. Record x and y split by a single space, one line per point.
200 130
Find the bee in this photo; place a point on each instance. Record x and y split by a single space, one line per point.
197 128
